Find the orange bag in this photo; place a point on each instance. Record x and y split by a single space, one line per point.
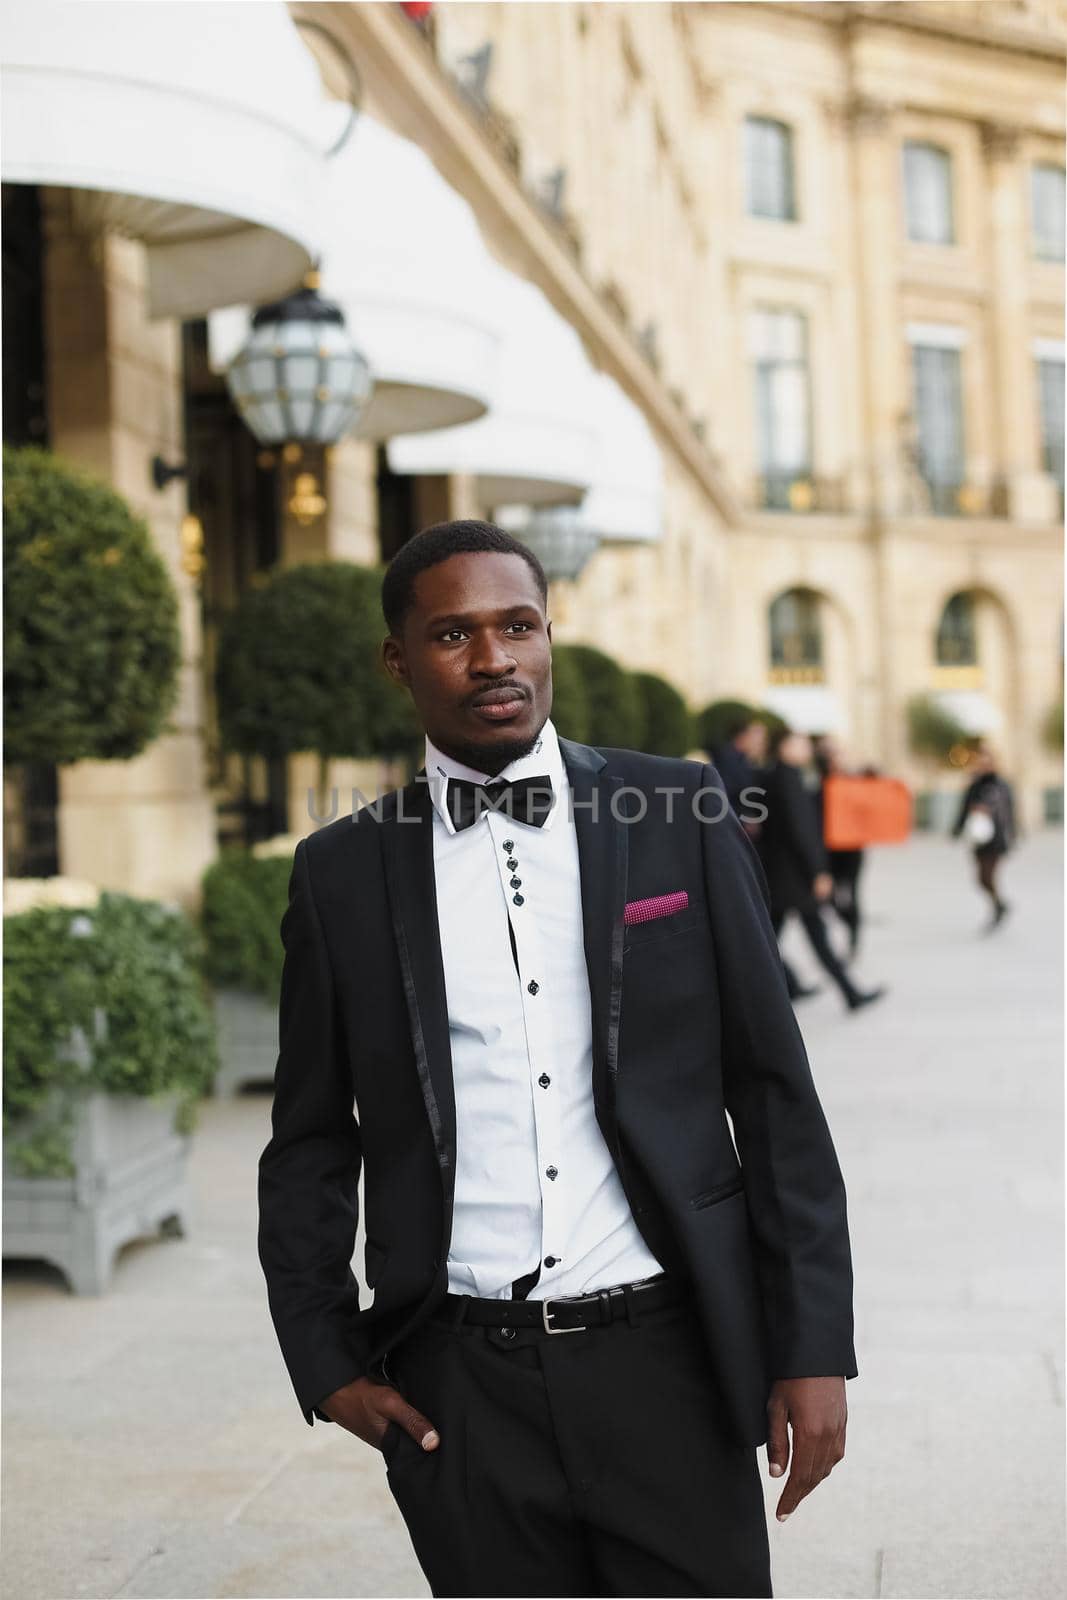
862 811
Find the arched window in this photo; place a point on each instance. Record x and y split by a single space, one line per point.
928 193
769 186
796 634
957 634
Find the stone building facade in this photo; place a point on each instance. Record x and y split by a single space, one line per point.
820 247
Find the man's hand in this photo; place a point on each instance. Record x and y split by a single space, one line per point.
823 887
366 1408
815 1409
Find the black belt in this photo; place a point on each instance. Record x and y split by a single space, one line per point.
570 1315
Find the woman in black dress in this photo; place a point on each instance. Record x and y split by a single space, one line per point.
987 817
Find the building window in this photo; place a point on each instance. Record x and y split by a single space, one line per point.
938 394
928 193
1050 376
778 347
957 634
796 637
769 186
1047 208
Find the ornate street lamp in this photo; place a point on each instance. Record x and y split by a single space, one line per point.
559 540
299 378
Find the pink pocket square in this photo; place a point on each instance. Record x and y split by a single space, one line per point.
660 905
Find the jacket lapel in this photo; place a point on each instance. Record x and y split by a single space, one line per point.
407 838
602 865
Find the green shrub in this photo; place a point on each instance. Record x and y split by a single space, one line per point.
715 722
570 706
136 963
1052 729
244 899
612 702
299 669
932 731
91 639
667 726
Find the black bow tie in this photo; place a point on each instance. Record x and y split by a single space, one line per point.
526 800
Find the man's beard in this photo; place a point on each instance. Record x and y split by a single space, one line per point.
495 758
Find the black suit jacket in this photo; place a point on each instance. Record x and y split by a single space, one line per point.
690 1020
790 844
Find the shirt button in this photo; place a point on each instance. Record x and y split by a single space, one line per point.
533 986
508 846
516 883
518 899
551 1172
511 863
544 1080
550 1261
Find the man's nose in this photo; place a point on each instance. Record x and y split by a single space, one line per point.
491 657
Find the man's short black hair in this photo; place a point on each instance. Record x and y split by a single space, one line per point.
738 725
436 544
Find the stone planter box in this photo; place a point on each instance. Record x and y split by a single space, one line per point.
130 1180
247 1028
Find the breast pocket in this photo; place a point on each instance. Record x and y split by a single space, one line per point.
660 928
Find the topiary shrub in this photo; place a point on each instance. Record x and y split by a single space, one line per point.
1052 728
933 732
666 723
244 899
91 641
716 722
570 706
298 669
613 706
135 963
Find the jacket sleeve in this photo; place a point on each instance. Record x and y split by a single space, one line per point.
793 1185
308 1172
802 823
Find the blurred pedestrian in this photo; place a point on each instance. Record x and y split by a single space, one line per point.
795 863
845 865
987 821
739 762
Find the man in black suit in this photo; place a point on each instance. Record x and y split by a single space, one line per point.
544 973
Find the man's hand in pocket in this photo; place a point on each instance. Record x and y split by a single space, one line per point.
366 1408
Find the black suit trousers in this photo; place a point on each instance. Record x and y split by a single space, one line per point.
598 1462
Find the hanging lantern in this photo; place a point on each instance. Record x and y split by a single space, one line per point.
299 378
560 540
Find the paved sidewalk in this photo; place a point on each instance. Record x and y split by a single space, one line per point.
152 1446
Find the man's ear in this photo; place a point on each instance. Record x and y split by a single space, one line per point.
392 657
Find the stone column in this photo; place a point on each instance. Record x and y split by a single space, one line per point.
114 381
875 185
1028 494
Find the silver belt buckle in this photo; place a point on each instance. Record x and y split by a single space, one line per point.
546 1318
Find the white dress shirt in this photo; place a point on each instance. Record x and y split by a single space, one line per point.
535 1181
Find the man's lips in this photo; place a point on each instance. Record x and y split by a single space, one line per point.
496 704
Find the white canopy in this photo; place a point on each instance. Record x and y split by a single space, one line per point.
973 710
192 128
807 707
625 499
538 445
403 256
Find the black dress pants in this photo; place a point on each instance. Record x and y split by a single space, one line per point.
812 922
583 1463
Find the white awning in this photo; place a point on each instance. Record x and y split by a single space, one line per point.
625 499
806 707
404 258
194 128
538 445
973 710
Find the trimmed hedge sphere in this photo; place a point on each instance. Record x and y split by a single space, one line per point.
612 702
666 723
298 668
570 707
91 643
